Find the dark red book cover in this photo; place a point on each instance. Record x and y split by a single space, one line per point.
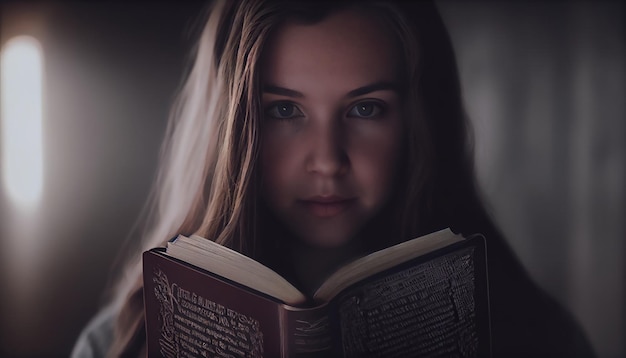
436 304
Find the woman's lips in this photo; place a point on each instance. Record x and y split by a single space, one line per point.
326 206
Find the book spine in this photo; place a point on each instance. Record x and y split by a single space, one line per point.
306 332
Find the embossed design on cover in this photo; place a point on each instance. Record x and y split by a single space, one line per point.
425 310
194 326
167 342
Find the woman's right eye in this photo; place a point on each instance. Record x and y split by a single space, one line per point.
283 110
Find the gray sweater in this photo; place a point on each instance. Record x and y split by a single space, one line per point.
95 340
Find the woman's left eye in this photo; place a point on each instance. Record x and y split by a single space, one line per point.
368 109
283 111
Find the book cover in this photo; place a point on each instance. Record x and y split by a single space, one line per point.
435 304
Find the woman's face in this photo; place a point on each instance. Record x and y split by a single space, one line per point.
332 126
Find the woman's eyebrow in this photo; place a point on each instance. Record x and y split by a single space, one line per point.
376 86
282 91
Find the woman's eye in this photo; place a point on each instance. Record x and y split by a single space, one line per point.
283 110
366 110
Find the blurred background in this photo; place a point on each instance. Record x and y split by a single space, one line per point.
544 87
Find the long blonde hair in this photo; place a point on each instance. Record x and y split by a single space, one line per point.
207 183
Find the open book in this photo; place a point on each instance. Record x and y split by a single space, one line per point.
423 297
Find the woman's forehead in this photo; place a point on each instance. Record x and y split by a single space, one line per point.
349 46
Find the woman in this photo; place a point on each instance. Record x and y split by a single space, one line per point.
308 134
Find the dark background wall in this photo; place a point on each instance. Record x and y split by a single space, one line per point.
544 85
543 82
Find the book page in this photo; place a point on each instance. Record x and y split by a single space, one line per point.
382 260
237 267
234 266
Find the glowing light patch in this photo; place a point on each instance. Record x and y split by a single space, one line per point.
21 92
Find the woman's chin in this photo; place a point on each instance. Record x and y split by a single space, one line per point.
325 240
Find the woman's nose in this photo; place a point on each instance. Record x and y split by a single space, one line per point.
327 155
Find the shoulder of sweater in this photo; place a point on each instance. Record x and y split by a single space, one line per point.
96 338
